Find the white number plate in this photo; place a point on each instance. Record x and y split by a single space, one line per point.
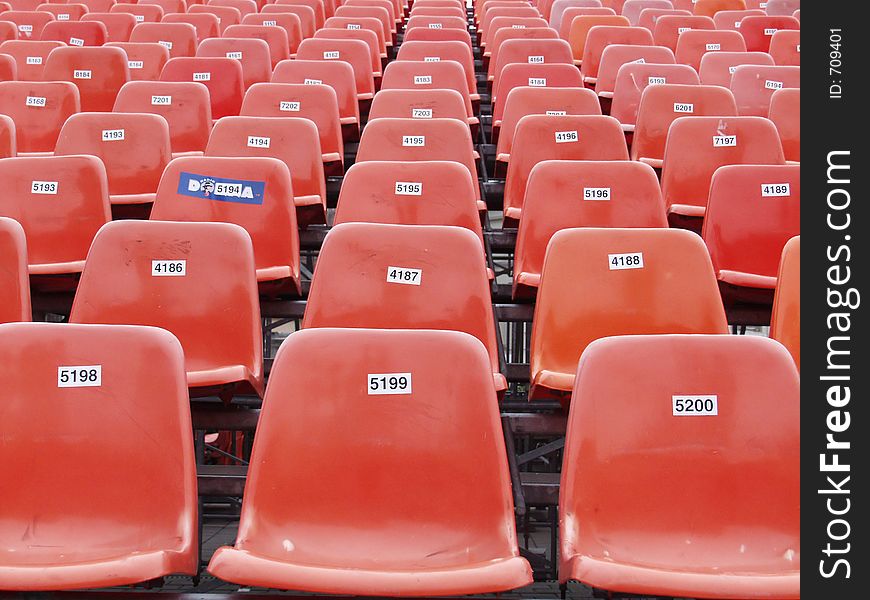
380 384
421 113
655 80
720 141
287 106
43 187
596 193
537 82
409 188
413 140
629 260
113 135
161 100
168 268
687 406
330 55
235 55
563 137
313 82
772 190
135 64
536 60
773 85
34 101
404 276
258 142
682 107
422 79
80 376
34 60
202 76
713 47
82 74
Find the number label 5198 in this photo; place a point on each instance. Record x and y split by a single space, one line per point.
81 376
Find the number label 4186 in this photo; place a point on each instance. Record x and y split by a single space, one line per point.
168 268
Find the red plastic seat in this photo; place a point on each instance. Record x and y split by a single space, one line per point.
7 136
206 25
661 105
8 31
178 38
697 146
718 67
753 210
442 51
633 78
143 13
669 27
245 7
29 23
602 37
694 44
785 47
649 16
29 56
522 101
521 74
599 282
119 26
291 25
361 14
184 105
222 76
67 11
615 56
418 104
294 141
503 28
758 30
747 441
411 140
39 109
98 73
252 54
61 201
561 22
376 57
434 192
476 549
782 7
427 75
8 68
437 35
274 37
785 323
572 137
526 51
368 29
785 112
436 23
168 6
317 103
145 60
353 52
709 8
730 19
579 28
753 86
135 437
317 6
435 11
633 8
446 286
212 309
134 148
305 14
76 33
562 194
253 192
490 13
14 281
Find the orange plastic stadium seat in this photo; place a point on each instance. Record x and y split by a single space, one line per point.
730 19
782 7
442 51
718 67
304 13
252 54
522 101
368 29
14 281
184 105
39 109
137 521
76 33
119 26
600 282
570 137
435 11
697 146
570 193
633 8
317 6
134 147
753 86
29 56
98 73
785 47
61 201
437 192
708 8
523 74
195 280
7 136
563 16
753 210
227 15
531 51
143 13
649 16
661 105
24 5
602 37
419 139
633 78
222 76
436 23
428 75
353 52
289 23
362 14
67 11
8 31
144 59
580 26
168 6
424 34
785 323
245 7
275 38
294 141
178 38
520 10
315 102
503 28
476 548
744 543
418 104
336 74
30 23
692 45
255 193
615 56
372 275
376 57
785 112
8 68
758 30
394 9
668 28
205 24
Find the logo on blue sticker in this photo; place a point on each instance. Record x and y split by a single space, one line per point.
221 189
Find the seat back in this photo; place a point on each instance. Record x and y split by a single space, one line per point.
633 78
441 51
318 6
206 25
30 56
580 26
785 47
30 23
649 16
222 76
245 7
692 45
227 15
538 76
758 30
418 104
353 52
368 37
668 28
168 6
708 8
119 26
39 109
61 201
563 25
426 34
179 38
527 51
558 8
275 37
306 15
604 36
336 74
184 105
252 54
68 11
289 23
98 73
614 56
603 282
76 33
143 13
15 288
145 60
426 75
782 7
785 112
785 322
717 68
730 19
753 86
213 309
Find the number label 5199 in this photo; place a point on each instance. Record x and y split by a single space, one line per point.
389 383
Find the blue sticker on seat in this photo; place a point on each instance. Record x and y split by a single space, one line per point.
221 189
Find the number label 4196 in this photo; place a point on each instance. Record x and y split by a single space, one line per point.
389 383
